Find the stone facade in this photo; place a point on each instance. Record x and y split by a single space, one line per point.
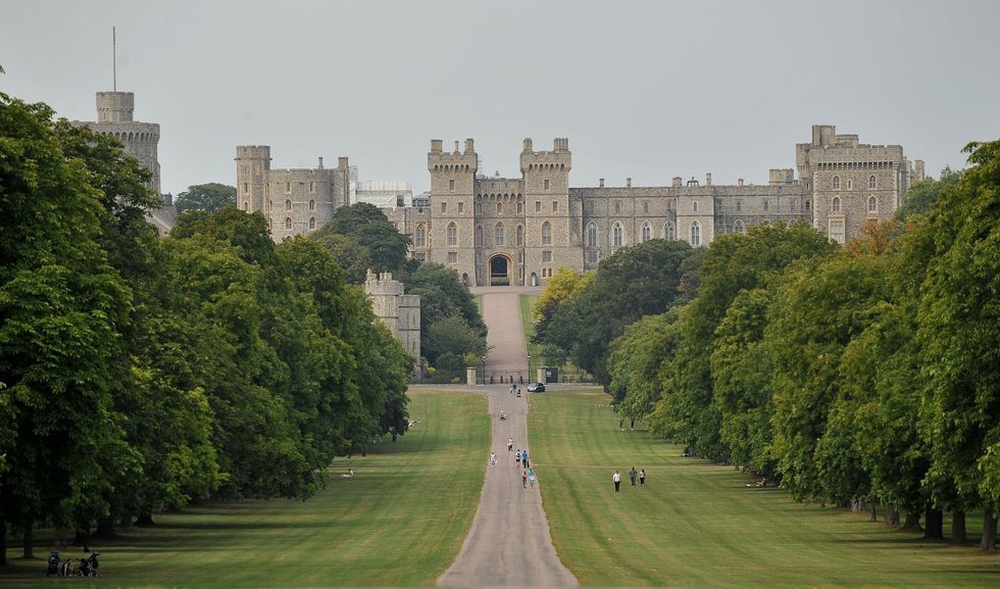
141 141
399 312
500 231
294 201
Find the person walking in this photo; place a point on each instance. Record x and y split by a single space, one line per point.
524 458
531 477
517 458
642 477
631 475
617 478
510 444
524 479
493 458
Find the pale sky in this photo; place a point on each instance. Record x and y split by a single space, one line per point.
647 90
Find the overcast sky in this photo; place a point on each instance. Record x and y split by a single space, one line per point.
647 90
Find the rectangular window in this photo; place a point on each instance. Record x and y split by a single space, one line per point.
546 184
312 187
591 256
288 187
837 230
461 207
546 256
538 206
555 206
451 186
246 188
444 208
645 206
452 257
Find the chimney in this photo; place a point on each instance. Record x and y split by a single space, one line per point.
708 179
628 182
320 166
739 182
600 182
469 146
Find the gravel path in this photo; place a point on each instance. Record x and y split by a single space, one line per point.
509 543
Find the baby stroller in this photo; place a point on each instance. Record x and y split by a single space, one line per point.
54 558
88 566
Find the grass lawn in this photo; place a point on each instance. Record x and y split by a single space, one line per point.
400 522
696 524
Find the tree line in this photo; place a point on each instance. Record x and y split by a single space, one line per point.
139 372
861 376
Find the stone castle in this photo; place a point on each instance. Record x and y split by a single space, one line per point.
517 231
399 312
141 141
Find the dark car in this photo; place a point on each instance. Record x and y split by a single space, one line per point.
536 387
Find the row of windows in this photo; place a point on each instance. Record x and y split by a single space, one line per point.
288 223
519 208
288 187
872 183
872 204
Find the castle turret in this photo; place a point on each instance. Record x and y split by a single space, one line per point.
253 162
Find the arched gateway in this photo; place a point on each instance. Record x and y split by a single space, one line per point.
500 266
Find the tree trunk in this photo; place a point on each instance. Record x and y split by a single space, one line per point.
959 535
145 517
29 540
874 513
105 529
912 521
891 515
125 523
989 541
3 541
933 524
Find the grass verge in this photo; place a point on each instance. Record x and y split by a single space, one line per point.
399 522
696 524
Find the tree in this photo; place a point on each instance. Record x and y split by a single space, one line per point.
61 304
959 326
564 285
643 279
922 195
367 225
209 197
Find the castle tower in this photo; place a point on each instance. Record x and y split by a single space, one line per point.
399 312
453 180
141 140
551 237
253 162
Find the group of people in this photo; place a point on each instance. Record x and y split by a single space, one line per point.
633 474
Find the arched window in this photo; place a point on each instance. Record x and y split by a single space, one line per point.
546 233
312 222
646 232
498 235
835 206
312 205
288 223
499 208
520 234
288 205
764 205
246 206
452 234
836 182
591 235
694 206
669 233
850 184
421 236
695 233
479 208
738 227
617 235
872 204
872 182
479 236
520 207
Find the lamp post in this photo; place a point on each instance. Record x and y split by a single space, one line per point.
484 368
529 369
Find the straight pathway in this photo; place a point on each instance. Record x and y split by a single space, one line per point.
509 543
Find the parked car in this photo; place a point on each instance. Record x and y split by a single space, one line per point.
536 387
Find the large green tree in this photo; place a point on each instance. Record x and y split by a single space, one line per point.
209 197
61 305
959 325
